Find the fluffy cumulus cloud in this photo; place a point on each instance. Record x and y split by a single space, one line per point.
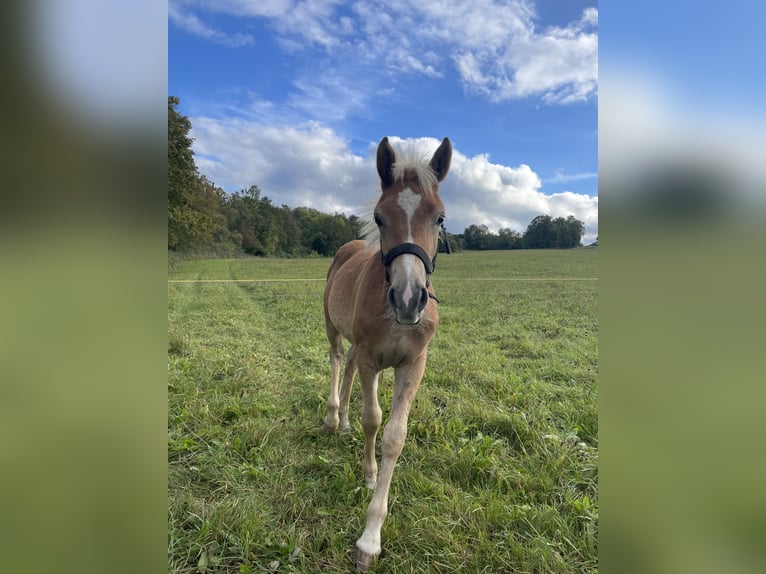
561 64
499 52
312 166
480 192
494 45
307 165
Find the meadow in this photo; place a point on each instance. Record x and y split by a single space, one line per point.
499 472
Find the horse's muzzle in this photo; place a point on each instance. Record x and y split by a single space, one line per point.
408 305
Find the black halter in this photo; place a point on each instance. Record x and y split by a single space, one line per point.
418 251
412 249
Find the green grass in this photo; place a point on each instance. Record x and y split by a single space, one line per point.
499 471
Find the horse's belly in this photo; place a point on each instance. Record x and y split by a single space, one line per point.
341 312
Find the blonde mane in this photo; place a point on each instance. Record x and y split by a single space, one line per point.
411 167
370 232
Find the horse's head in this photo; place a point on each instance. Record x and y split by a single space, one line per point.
409 216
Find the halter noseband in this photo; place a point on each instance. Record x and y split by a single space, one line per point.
412 249
419 252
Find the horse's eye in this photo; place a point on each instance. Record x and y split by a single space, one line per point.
440 220
378 220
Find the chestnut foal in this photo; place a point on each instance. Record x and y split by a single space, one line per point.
379 297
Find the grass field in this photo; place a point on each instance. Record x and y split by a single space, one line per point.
499 470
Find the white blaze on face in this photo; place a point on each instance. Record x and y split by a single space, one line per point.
409 201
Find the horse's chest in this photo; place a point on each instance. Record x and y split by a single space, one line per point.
399 348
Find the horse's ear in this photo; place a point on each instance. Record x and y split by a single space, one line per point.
386 159
442 159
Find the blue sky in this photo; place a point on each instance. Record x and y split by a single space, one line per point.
293 96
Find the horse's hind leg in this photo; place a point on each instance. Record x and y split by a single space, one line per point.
345 388
336 357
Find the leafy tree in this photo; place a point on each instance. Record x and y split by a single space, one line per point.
481 238
250 217
508 239
545 232
572 232
324 234
288 228
476 237
540 233
193 202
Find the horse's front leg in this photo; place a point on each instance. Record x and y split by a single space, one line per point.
371 417
407 380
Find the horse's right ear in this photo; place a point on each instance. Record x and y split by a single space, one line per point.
386 159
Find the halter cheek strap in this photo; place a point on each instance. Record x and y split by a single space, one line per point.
445 236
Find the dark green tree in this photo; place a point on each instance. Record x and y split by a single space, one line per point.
193 202
540 233
508 239
326 233
249 217
545 232
476 237
573 230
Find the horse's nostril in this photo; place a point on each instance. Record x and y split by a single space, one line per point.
391 300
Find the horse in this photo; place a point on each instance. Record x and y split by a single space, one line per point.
379 297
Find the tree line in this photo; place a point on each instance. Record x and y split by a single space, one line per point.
202 216
542 232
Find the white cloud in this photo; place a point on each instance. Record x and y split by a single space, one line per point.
480 24
252 8
314 21
192 24
308 165
478 191
561 177
329 97
590 16
312 166
493 45
559 64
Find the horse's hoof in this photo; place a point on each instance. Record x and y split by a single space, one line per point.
329 427
363 561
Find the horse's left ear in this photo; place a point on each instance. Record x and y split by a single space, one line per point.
441 160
